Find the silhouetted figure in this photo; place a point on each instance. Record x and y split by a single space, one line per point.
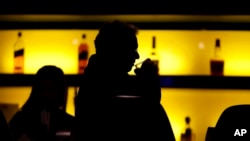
111 105
5 133
187 135
233 124
188 128
43 114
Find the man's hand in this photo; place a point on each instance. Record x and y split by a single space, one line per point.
148 69
149 81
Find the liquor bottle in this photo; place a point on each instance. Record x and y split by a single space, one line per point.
217 62
19 55
82 55
154 55
188 134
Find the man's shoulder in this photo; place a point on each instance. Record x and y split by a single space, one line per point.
68 116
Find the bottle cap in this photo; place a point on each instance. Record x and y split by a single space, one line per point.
19 34
153 43
217 43
187 119
83 36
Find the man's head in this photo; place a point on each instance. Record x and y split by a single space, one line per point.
117 43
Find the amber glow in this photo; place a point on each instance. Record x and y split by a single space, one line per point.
127 17
181 52
204 106
44 47
187 52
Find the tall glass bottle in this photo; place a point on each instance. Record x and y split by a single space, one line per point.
19 55
188 134
154 56
217 62
82 55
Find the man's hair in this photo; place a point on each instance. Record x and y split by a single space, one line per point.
113 34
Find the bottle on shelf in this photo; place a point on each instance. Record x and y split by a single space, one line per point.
19 55
154 56
188 135
82 55
217 62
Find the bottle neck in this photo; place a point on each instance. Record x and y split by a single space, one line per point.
19 44
217 52
153 50
154 54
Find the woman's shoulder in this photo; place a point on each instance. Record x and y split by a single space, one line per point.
18 118
18 114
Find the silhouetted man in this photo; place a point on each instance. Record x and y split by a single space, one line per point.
111 105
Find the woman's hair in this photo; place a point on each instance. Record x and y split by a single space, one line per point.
49 72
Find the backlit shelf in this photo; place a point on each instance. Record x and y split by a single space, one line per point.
166 81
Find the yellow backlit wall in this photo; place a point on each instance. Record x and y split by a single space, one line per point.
182 52
42 47
204 106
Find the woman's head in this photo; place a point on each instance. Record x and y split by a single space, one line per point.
49 88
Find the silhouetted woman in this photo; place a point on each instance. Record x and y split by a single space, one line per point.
43 115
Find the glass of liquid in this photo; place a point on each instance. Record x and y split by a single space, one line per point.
148 65
139 64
